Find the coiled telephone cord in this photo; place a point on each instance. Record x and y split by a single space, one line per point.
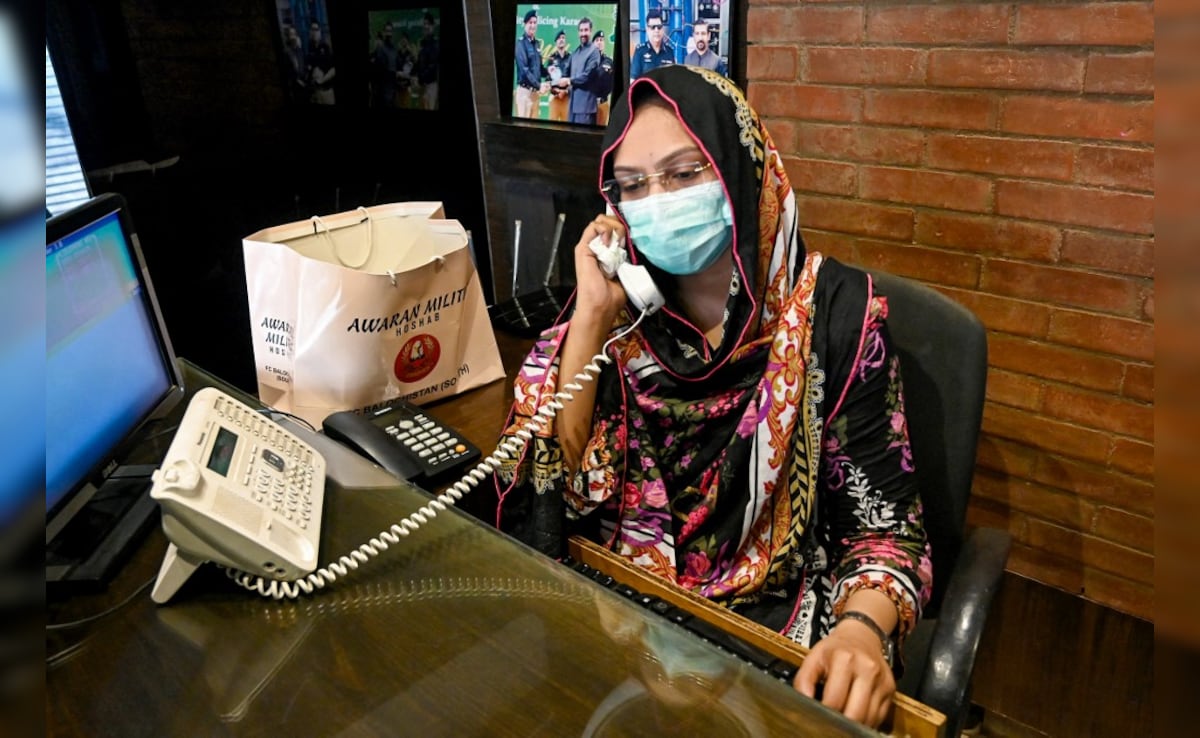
511 448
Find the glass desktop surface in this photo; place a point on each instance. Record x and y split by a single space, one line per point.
455 631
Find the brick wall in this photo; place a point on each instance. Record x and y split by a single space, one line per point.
1001 152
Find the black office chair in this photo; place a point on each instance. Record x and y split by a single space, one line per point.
943 354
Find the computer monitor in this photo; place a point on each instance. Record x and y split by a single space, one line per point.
110 370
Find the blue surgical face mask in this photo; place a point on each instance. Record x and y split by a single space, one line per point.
682 231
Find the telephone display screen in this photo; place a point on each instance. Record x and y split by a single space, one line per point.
222 451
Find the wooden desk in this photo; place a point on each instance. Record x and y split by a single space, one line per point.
457 630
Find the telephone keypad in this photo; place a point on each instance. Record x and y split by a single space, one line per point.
436 448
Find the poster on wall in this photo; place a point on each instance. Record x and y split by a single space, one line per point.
308 50
563 69
694 32
404 49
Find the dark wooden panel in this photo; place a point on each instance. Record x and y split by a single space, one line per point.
1065 666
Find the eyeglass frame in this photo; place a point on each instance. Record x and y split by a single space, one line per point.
612 187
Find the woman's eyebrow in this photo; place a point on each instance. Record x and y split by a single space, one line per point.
675 155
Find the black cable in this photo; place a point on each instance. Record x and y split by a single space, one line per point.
297 418
97 616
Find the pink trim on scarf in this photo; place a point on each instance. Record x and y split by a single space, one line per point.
734 246
862 339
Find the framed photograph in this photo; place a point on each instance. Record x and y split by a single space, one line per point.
563 68
694 32
307 51
404 46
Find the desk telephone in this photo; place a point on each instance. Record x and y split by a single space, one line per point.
241 491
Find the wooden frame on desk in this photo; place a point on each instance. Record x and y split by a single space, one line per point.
909 717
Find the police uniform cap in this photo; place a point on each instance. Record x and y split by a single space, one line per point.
560 33
599 35
530 16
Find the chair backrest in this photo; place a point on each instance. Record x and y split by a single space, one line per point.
943 354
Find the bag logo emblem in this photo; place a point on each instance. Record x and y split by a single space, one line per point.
417 358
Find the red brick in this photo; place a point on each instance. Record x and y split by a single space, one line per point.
1148 307
1004 314
804 24
1109 166
1120 211
816 175
858 143
1096 24
931 109
838 245
1071 117
1018 157
1120 74
939 24
1006 457
1094 552
864 66
1103 412
1135 531
806 102
1118 336
1050 435
1139 382
1096 483
1072 366
921 187
772 62
1036 501
1015 390
853 216
1120 594
985 513
783 132
1061 286
1013 70
1133 457
1045 568
927 265
985 234
1120 254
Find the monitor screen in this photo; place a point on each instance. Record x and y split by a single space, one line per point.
109 364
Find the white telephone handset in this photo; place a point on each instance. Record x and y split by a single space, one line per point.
636 280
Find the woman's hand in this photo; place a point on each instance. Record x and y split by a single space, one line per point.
857 679
597 294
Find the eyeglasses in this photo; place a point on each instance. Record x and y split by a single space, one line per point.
637 186
654 26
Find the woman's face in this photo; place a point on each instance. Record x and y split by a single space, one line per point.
655 141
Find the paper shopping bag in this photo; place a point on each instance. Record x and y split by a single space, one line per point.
353 310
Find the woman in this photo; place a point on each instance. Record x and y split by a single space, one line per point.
748 443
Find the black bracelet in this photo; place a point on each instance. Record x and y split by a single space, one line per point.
885 641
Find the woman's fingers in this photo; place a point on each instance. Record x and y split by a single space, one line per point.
811 673
851 681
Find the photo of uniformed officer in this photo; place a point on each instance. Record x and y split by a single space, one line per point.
693 32
563 64
403 57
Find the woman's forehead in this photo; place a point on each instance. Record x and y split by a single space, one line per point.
654 132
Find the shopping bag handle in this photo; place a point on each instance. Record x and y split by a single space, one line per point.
317 220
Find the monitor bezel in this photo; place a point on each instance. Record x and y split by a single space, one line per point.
57 228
